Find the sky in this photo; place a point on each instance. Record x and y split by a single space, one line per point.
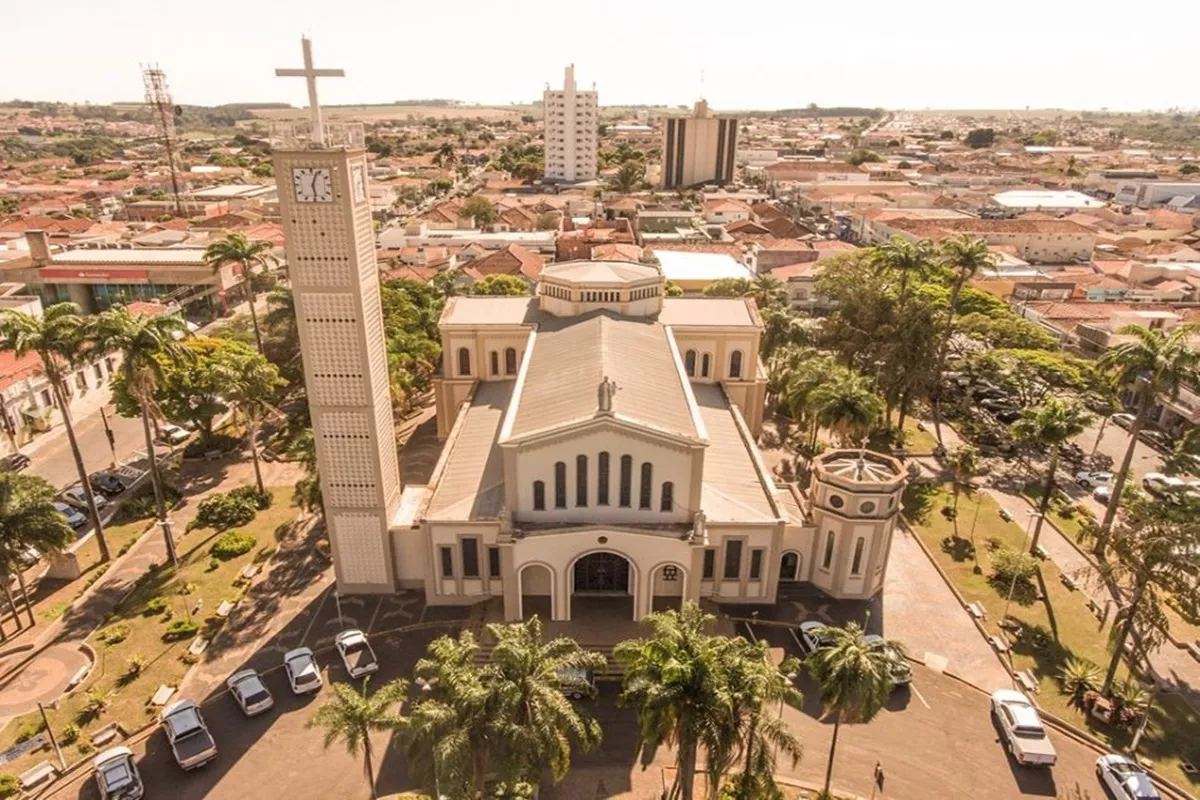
764 55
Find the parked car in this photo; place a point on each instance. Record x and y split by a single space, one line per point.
1123 420
190 740
1022 730
74 518
901 670
76 497
117 775
29 556
815 635
14 462
250 692
1102 494
356 653
303 674
107 484
1124 778
1088 478
1160 485
1158 440
172 434
580 682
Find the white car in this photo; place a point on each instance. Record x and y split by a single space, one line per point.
815 635
172 434
1102 494
250 692
302 671
117 775
1124 778
1093 477
1158 484
356 653
1124 420
77 498
1022 730
74 518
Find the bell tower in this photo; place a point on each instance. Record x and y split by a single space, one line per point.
320 171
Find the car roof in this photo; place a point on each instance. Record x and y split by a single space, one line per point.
120 751
296 653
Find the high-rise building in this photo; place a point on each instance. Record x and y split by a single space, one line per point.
571 119
699 149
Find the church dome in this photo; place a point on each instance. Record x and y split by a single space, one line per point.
572 288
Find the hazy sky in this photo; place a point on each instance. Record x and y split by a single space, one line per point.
768 54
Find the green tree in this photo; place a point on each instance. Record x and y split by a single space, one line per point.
500 285
236 249
1152 363
57 338
767 291
146 343
28 519
862 156
307 492
962 461
629 177
674 290
847 406
854 676
251 384
445 156
728 287
904 260
1052 424
1005 330
450 282
978 138
1032 376
8 204
480 210
783 327
351 717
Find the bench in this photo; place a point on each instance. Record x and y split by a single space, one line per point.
162 695
977 610
1040 552
79 675
32 777
1027 681
1194 651
198 646
106 734
224 609
250 571
1068 582
1000 643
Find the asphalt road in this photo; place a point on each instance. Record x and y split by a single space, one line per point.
54 462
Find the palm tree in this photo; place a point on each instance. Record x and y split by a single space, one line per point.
965 256
28 519
528 676
1052 424
1152 363
352 717
281 317
629 177
962 461
767 291
782 326
307 493
905 259
56 337
251 387
146 344
445 156
847 406
855 680
235 248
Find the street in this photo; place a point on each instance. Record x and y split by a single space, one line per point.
54 462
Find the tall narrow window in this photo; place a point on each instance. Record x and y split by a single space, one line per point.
470 558
668 496
493 562
689 363
735 364
756 557
464 361
856 562
447 557
828 559
602 480
733 559
510 361
710 564
495 363
539 496
705 365
560 484
626 481
646 490
581 476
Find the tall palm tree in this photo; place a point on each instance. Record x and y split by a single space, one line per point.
1150 364
235 248
251 385
281 317
964 255
855 680
782 326
28 519
307 493
962 461
146 344
767 291
847 406
1052 424
539 724
352 716
904 259
57 338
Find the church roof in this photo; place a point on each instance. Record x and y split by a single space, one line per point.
471 483
606 272
734 488
570 358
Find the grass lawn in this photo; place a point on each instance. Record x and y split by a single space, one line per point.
1069 524
916 440
202 582
1055 628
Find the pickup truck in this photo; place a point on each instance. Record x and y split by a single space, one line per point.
1022 729
190 740
356 653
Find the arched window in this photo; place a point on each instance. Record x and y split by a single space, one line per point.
856 562
689 363
464 361
510 361
828 559
668 496
735 364
647 486
495 363
539 496
581 476
705 365
602 480
626 481
560 485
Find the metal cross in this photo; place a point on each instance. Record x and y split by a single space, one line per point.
310 76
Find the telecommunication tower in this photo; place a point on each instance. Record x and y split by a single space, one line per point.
164 110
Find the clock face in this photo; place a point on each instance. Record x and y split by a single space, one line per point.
358 182
312 185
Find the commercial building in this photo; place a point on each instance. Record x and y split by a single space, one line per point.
571 124
1046 200
1146 193
699 149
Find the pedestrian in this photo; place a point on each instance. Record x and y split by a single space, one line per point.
879 776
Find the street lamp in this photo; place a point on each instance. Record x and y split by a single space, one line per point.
1012 586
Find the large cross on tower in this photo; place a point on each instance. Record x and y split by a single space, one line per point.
310 75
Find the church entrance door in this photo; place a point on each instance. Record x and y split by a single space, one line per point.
602 573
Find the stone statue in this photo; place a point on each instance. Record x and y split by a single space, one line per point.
506 522
604 396
699 520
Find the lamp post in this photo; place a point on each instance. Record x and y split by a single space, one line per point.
1012 586
62 762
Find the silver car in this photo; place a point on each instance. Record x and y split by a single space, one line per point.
76 497
74 518
304 676
1124 778
117 775
250 692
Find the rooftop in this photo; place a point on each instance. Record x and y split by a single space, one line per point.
606 272
681 266
1046 198
734 488
471 484
152 256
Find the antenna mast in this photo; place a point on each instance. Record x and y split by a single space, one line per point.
158 97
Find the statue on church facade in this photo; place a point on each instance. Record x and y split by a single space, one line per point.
604 396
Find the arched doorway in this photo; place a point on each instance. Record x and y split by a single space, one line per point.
668 587
603 585
535 582
789 566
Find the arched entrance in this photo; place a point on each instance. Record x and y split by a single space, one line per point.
603 584
668 587
535 582
789 566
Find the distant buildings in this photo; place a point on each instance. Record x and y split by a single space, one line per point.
699 149
571 120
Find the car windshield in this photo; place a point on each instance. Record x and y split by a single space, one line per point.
117 776
253 698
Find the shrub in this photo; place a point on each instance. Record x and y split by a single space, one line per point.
9 785
156 605
29 730
1008 563
261 500
233 544
223 511
69 734
85 748
98 701
994 543
180 629
136 664
1078 676
114 634
214 563
218 442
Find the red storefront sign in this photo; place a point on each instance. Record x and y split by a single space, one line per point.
114 275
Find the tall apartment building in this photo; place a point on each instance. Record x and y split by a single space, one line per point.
571 119
699 149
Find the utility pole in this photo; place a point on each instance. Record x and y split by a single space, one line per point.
163 108
62 762
108 434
